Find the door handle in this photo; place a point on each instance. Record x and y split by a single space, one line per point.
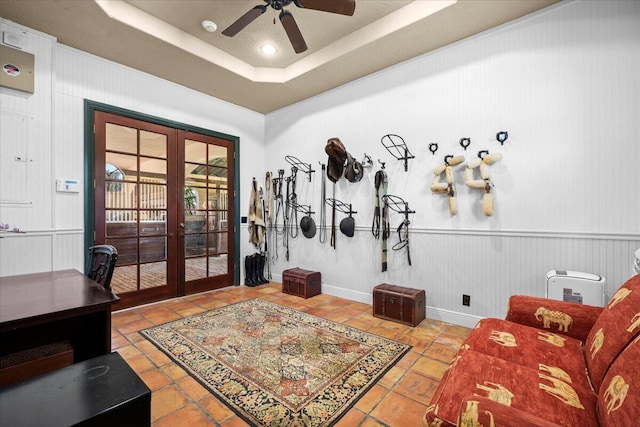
171 235
181 225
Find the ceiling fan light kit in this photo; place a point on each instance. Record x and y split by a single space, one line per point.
341 7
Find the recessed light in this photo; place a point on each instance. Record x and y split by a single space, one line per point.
268 49
209 26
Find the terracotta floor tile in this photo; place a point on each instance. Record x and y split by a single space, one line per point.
193 388
460 331
408 360
118 341
416 387
158 358
450 340
372 422
191 311
215 408
166 400
121 317
140 363
129 351
397 410
391 377
189 416
358 323
164 317
351 418
384 332
134 326
440 352
135 337
234 421
173 371
431 368
154 379
146 346
371 398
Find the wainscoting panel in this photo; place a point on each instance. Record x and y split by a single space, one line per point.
489 268
25 254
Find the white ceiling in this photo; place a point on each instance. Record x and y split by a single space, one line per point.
165 38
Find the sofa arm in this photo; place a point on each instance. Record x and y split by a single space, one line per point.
482 411
560 317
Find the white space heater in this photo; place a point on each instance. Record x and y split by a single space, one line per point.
576 286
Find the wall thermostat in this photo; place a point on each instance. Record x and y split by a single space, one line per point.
67 185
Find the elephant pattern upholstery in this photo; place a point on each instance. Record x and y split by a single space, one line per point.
550 363
548 317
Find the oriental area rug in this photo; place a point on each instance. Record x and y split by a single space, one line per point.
277 366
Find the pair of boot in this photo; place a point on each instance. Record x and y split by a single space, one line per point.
254 270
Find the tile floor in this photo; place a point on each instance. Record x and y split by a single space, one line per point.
398 399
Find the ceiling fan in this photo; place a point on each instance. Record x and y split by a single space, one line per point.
342 7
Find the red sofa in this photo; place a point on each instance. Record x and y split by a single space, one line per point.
550 363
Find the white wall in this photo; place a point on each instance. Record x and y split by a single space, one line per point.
564 84
54 114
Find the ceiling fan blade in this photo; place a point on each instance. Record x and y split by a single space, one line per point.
293 32
343 7
244 20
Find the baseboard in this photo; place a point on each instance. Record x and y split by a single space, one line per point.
448 316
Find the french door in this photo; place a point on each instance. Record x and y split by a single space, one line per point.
162 199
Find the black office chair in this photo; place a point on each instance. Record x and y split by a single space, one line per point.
102 262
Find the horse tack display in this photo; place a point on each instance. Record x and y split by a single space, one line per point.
400 304
302 283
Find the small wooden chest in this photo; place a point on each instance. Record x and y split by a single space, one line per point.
302 283
400 304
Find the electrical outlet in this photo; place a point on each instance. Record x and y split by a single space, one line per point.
466 300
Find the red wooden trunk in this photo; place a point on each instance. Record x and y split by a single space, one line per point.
400 304
302 283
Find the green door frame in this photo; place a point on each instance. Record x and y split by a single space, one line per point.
90 107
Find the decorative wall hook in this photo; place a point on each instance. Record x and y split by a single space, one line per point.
299 165
433 147
447 187
381 164
340 206
366 161
502 136
396 146
482 153
465 143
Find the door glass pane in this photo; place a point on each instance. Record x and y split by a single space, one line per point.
153 223
153 274
217 174
195 268
153 144
127 249
195 173
218 243
124 279
195 151
218 265
121 223
126 164
153 196
217 199
121 138
153 249
119 195
153 170
217 156
194 244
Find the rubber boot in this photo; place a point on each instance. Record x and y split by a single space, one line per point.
249 270
256 267
261 261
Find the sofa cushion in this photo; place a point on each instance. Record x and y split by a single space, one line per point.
619 397
531 347
541 393
618 324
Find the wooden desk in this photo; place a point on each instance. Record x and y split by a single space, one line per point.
43 308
